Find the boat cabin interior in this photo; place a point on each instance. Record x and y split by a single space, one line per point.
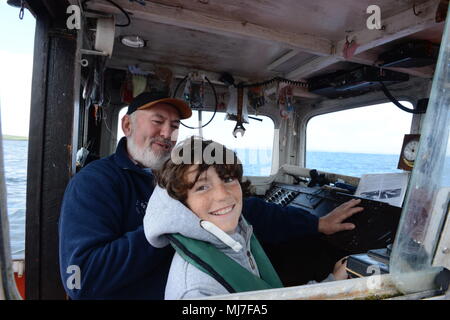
264 66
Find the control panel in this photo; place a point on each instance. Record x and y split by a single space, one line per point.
280 195
307 198
376 225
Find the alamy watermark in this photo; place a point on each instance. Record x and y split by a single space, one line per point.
373 282
74 20
74 279
191 151
373 21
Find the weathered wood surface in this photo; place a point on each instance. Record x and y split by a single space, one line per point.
49 154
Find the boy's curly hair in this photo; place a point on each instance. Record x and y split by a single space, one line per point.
173 174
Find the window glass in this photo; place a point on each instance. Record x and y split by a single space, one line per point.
358 141
254 149
120 134
16 67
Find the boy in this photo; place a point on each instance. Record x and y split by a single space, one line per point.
197 206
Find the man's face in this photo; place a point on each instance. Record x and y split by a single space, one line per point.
151 134
215 199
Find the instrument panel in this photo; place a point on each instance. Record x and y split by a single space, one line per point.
376 225
307 198
280 195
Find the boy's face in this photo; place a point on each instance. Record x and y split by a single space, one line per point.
215 199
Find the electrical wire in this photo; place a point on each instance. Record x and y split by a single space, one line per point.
215 98
396 102
240 85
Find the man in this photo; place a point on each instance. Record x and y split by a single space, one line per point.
103 250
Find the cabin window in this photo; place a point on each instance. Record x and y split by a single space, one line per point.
120 134
16 67
254 151
357 141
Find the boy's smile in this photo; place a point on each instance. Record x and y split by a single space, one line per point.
223 211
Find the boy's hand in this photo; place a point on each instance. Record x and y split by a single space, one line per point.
332 222
339 271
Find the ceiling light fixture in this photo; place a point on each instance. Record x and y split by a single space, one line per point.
133 41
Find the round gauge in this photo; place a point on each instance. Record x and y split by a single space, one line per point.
410 150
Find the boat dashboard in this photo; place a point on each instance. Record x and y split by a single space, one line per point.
375 230
375 225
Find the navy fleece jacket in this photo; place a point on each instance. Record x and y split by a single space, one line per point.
102 241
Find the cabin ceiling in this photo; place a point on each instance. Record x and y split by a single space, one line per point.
171 45
259 39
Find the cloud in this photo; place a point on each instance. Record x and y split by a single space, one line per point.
373 129
15 92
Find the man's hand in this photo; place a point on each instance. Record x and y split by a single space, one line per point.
332 222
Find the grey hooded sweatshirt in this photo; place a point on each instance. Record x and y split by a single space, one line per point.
166 215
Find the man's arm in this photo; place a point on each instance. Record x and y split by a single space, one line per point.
275 224
92 239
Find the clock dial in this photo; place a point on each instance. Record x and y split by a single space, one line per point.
408 153
410 150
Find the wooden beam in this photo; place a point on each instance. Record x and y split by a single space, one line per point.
381 286
395 27
185 18
55 9
282 59
57 157
49 154
314 65
35 159
121 63
423 72
319 63
369 59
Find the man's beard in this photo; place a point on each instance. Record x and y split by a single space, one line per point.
146 156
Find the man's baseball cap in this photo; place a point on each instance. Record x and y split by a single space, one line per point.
147 100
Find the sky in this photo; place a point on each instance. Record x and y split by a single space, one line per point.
16 63
374 129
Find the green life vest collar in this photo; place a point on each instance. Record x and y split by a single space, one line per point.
229 273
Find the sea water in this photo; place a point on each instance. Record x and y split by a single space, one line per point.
15 159
255 164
